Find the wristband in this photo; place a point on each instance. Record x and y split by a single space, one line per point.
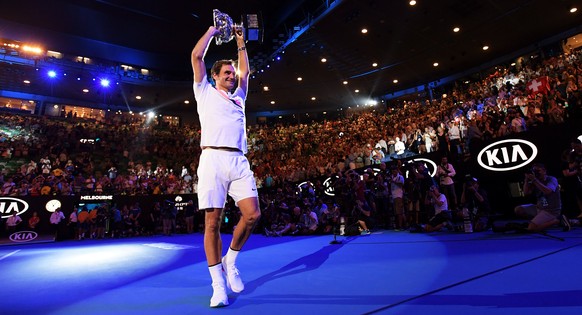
242 48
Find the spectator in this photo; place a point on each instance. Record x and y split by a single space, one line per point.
397 192
56 221
12 222
189 212
446 172
83 219
168 217
33 221
399 147
454 135
572 172
73 223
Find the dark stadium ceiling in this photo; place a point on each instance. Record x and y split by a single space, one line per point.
403 41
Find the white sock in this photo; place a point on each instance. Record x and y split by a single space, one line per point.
231 256
216 274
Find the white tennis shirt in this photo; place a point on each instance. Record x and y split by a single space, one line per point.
222 116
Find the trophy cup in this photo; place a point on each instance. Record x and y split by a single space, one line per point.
252 32
225 26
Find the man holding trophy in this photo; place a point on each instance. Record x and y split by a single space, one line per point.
223 168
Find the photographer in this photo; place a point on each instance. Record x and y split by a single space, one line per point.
547 210
330 218
363 213
475 200
308 222
442 215
381 198
425 182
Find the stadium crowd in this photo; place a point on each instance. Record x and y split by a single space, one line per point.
71 156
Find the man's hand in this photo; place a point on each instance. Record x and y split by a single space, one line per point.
239 33
213 31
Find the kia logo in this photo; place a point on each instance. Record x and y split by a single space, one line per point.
24 236
507 155
10 205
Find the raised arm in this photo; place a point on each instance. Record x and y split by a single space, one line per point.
243 60
199 51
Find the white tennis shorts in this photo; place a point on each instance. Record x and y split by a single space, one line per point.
222 173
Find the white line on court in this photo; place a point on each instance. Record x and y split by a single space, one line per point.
9 254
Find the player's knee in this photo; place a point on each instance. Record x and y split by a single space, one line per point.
212 224
252 217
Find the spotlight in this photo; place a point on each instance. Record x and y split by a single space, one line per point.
104 82
52 73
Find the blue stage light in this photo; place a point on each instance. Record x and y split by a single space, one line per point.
52 74
104 82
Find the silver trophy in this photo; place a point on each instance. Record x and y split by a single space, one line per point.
225 26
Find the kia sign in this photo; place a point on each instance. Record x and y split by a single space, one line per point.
23 236
10 205
507 155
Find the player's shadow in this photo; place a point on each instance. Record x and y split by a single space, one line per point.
303 264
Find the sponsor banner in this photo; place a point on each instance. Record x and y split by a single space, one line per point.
96 197
9 205
507 155
500 164
23 236
44 206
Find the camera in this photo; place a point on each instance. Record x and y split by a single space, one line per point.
534 171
